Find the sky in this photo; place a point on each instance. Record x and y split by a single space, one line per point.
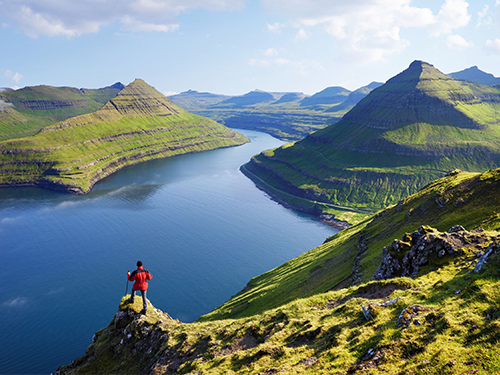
234 46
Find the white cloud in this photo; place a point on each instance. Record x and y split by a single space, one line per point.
458 43
483 18
452 15
15 77
73 18
170 93
369 30
302 35
16 302
270 52
493 45
276 27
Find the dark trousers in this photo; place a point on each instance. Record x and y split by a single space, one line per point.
144 300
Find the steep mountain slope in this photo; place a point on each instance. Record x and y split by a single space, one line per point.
474 74
413 129
139 124
251 98
192 100
284 115
354 254
32 108
302 319
330 95
355 97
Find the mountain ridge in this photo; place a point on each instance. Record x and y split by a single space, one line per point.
402 135
137 125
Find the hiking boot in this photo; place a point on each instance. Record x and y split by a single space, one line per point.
130 300
144 311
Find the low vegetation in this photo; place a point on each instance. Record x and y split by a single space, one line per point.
25 111
321 313
403 135
138 125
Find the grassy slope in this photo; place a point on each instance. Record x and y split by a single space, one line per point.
324 267
33 108
139 124
403 135
289 119
316 331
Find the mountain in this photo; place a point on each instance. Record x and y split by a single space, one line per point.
413 129
192 100
407 291
290 97
32 108
251 98
137 125
330 95
354 97
474 74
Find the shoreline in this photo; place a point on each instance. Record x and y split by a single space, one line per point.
324 218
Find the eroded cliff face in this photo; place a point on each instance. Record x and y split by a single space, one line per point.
32 108
138 125
405 133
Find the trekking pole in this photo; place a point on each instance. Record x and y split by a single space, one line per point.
126 290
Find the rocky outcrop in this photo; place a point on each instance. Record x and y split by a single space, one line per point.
406 256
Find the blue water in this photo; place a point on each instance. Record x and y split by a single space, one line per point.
200 227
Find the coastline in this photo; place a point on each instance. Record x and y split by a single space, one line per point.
325 218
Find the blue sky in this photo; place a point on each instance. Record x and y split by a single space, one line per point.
234 46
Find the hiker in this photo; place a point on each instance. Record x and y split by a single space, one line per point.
141 277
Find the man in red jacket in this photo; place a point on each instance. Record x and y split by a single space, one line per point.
141 277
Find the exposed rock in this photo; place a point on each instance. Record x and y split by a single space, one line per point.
370 360
405 257
308 362
482 259
407 315
370 308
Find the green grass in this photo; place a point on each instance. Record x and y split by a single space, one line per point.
33 108
326 266
403 135
138 125
458 333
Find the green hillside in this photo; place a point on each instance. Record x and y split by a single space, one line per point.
139 124
404 134
320 313
31 108
287 116
474 74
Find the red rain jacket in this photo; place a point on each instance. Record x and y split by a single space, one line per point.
141 277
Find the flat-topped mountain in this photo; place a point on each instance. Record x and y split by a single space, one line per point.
27 110
137 125
474 74
405 133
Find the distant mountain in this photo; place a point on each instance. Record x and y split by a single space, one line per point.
249 99
330 95
32 108
193 100
137 125
405 133
290 97
354 97
474 74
